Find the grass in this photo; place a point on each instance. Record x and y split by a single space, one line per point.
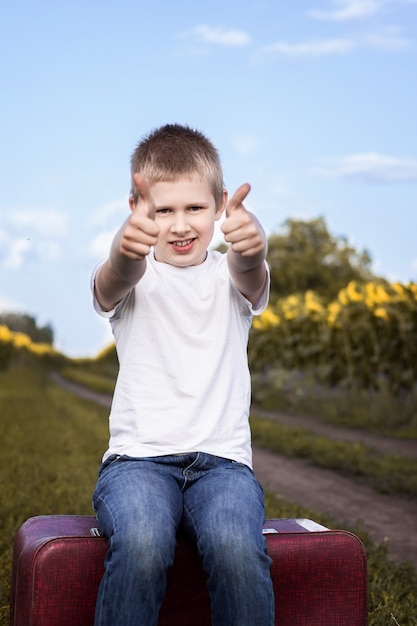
392 586
52 444
390 474
84 376
377 411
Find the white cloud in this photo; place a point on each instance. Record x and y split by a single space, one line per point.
100 244
49 223
31 233
16 252
12 250
217 36
320 48
108 214
8 304
104 223
369 167
346 10
384 39
349 9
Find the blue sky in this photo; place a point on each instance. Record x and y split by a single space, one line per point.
313 102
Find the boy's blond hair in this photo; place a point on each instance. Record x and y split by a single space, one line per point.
174 150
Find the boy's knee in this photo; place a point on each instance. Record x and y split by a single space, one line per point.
143 550
234 550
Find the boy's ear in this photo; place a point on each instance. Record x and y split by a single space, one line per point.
222 207
132 204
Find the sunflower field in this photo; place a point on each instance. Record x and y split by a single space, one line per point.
363 338
17 348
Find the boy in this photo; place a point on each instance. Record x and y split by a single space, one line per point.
179 454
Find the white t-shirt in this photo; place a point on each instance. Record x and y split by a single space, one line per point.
183 384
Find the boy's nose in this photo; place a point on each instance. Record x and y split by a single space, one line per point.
180 225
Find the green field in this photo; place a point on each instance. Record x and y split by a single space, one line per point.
52 442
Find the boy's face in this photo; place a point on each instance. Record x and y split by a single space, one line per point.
185 213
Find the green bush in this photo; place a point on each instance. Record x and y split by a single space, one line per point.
365 336
298 393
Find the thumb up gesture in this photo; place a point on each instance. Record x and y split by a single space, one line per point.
241 228
140 232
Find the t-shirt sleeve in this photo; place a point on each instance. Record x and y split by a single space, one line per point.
260 306
96 303
264 298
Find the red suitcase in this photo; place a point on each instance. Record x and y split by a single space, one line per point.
319 575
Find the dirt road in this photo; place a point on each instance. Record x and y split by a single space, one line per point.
386 518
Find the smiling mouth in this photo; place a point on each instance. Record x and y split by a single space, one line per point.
185 243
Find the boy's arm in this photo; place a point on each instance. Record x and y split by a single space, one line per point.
247 252
127 259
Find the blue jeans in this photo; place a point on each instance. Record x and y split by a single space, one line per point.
142 503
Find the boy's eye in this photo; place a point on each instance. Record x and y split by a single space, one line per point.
163 211
194 208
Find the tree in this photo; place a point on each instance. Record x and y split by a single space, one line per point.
305 256
23 323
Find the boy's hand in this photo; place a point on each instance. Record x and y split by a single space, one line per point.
140 232
131 244
241 228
